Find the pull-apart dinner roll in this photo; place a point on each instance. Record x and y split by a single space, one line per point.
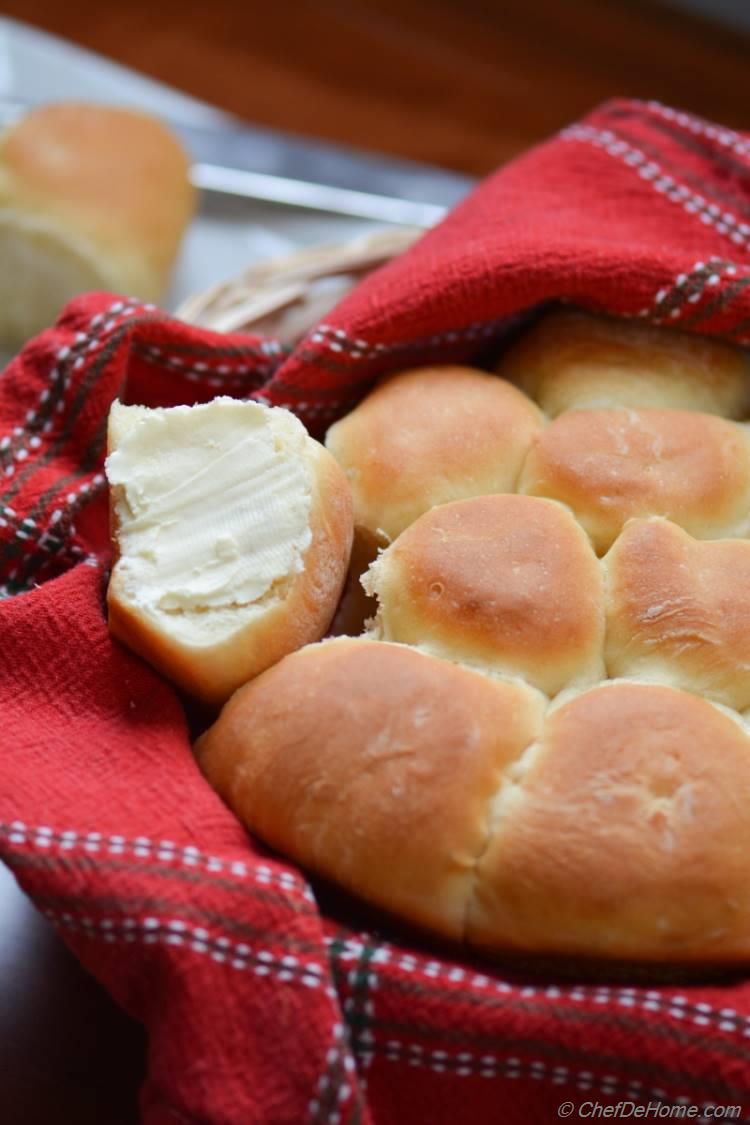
509 584
573 359
617 826
428 436
609 466
624 832
375 766
678 611
232 530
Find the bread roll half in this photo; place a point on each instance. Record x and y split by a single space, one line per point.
232 530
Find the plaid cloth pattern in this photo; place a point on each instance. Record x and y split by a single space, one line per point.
262 1007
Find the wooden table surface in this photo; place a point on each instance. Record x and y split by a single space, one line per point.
465 85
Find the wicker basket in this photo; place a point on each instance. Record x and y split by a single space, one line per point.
286 297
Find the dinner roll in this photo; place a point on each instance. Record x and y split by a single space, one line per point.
376 766
612 465
91 197
232 530
573 359
427 436
678 611
507 583
623 832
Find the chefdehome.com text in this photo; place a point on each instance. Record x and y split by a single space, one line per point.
649 1111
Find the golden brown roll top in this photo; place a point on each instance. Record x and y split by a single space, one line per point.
624 833
507 583
616 827
610 466
678 611
429 436
375 766
573 359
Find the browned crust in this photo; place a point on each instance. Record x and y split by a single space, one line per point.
613 465
678 611
374 765
507 583
302 616
428 436
626 836
573 359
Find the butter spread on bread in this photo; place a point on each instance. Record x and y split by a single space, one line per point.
232 530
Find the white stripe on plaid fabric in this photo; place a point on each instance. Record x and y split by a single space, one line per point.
466 1064
238 955
338 1059
724 222
28 529
176 932
198 372
164 851
678 1007
68 358
701 277
56 549
162 352
337 340
314 409
728 138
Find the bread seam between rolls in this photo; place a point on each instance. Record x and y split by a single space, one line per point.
494 815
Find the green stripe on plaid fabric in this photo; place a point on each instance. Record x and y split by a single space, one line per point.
334 1089
268 350
609 1080
61 365
117 906
675 168
719 304
689 144
441 1037
351 987
360 1008
86 864
90 376
694 143
688 288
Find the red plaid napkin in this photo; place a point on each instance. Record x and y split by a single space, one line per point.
259 1008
